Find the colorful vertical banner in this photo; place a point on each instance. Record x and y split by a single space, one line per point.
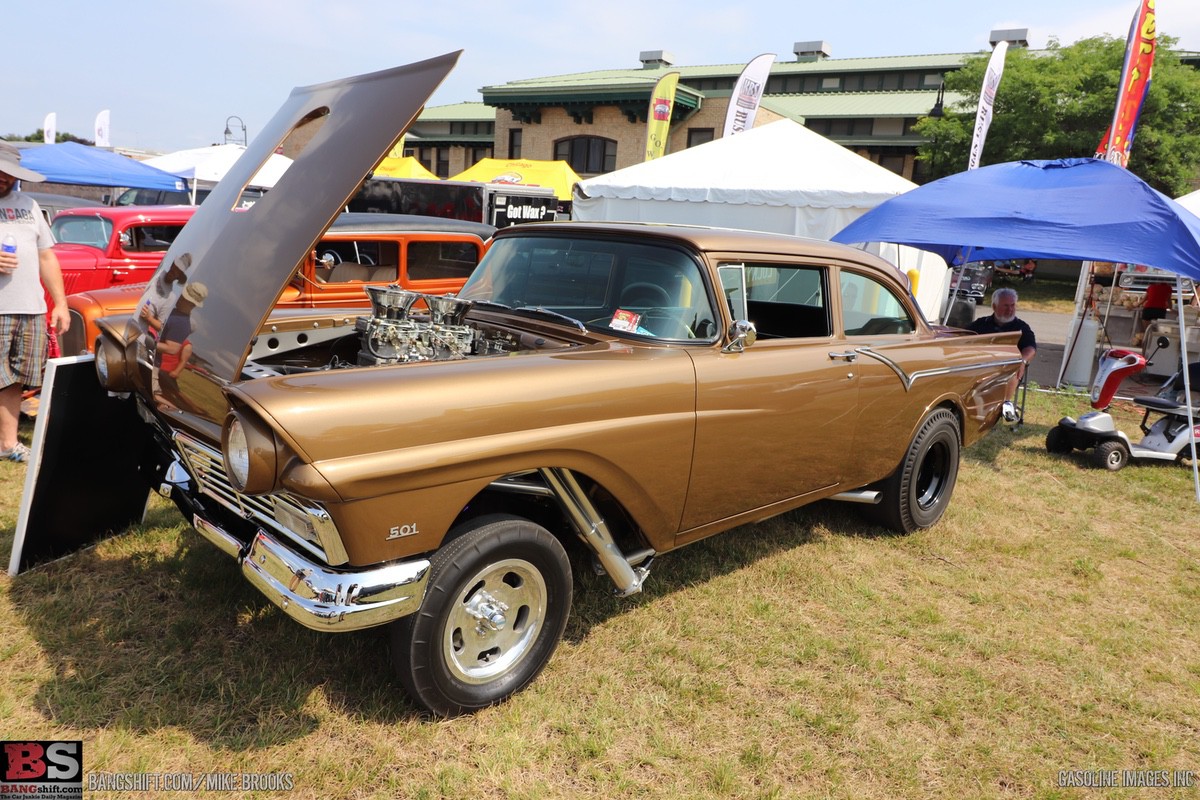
101 136
747 94
50 128
659 119
1135 83
987 99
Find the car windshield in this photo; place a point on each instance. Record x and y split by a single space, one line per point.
94 231
630 288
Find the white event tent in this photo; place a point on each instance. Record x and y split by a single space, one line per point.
779 177
207 165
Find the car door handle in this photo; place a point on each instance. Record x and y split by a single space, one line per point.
847 356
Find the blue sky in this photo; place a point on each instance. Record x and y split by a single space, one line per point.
172 71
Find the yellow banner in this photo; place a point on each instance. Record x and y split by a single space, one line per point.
659 119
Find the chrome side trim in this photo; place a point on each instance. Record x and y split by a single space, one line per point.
908 380
592 528
326 599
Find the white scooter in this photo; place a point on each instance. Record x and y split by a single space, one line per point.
1166 440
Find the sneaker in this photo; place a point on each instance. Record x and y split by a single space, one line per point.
19 453
1009 411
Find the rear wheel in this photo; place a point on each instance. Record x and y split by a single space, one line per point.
498 599
1111 455
1057 441
918 492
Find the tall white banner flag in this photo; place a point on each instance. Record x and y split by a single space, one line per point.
747 94
987 98
101 136
50 128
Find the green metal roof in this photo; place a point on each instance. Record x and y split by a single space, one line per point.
856 104
637 77
458 112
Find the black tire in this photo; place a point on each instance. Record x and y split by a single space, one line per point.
448 658
1057 441
1111 455
918 492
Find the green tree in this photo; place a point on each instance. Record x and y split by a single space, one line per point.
1058 102
40 135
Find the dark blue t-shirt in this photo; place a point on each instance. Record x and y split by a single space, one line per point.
988 325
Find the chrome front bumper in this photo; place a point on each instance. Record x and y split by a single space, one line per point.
318 596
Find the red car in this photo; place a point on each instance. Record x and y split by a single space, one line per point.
99 247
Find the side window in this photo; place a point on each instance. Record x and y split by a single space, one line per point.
788 302
869 308
350 260
427 260
149 238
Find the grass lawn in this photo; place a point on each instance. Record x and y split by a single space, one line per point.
1043 294
1050 623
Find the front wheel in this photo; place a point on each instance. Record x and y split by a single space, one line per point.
918 492
1111 455
495 609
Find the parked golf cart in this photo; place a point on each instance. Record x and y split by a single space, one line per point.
1166 439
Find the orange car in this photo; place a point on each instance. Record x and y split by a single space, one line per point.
618 389
427 254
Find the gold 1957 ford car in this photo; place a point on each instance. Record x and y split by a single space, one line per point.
622 389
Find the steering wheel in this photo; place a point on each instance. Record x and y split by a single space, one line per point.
645 294
667 324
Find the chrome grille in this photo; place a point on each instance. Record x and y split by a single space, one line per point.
72 342
207 468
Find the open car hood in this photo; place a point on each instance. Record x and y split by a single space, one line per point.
244 256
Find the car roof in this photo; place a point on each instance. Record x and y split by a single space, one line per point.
358 221
124 214
709 239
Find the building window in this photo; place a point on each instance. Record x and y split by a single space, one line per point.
472 128
478 154
587 153
514 143
436 160
831 83
700 136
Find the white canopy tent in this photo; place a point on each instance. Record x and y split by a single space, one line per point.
207 165
779 177
1191 202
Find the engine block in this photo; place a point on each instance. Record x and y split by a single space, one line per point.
394 335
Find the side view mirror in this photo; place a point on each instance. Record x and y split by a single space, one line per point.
1162 342
744 335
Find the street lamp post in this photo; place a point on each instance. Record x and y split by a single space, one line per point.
230 133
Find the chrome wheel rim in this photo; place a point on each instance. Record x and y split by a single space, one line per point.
495 620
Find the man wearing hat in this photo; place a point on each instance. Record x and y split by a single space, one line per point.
173 349
23 274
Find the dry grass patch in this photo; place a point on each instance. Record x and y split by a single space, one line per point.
1048 623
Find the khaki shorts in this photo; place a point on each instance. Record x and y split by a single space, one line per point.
23 343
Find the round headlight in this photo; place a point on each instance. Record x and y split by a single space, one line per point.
237 455
101 364
110 365
248 447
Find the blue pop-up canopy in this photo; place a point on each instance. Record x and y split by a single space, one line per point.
71 162
1080 208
